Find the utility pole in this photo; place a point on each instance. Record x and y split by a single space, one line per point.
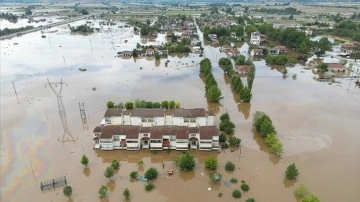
62 112
83 116
64 61
16 93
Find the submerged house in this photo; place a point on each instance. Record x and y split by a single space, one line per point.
156 129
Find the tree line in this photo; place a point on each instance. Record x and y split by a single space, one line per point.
236 82
286 11
289 37
82 28
264 126
212 90
144 104
10 17
7 31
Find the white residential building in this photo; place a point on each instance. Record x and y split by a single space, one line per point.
157 129
255 38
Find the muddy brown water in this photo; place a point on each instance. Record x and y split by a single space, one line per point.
316 122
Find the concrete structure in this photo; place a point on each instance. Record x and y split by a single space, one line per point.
156 129
255 38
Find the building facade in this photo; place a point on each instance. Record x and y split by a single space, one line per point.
156 129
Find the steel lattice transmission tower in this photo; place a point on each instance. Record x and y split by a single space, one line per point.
62 113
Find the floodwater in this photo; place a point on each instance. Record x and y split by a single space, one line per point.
316 122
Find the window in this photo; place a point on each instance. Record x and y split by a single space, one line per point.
193 135
150 120
143 120
186 120
146 135
116 138
192 120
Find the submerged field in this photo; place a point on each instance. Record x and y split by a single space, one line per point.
316 122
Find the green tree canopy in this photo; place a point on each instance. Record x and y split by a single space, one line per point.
67 191
211 163
185 162
151 173
291 172
103 191
84 160
109 172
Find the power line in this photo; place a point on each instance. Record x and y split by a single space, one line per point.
62 113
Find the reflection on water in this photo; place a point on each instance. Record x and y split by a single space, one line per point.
289 183
86 171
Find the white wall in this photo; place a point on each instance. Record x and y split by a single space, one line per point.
178 121
159 121
201 121
126 120
117 120
135 121
168 120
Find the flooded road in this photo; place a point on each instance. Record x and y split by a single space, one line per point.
316 122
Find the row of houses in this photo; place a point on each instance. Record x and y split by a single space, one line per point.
129 137
141 52
155 117
346 49
278 50
156 129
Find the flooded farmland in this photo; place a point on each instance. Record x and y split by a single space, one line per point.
316 122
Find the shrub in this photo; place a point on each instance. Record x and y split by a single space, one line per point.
185 162
133 175
301 191
291 172
211 163
310 198
245 187
110 104
103 191
115 164
222 138
149 186
84 160
140 163
215 177
225 145
229 166
234 180
220 195
236 193
234 141
126 193
67 191
250 200
109 172
151 173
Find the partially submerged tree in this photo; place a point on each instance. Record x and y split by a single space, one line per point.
185 162
151 173
84 160
103 191
109 172
211 163
126 193
67 191
291 172
301 191
115 164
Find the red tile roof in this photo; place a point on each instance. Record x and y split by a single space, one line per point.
190 113
157 132
335 66
194 130
148 113
97 129
145 130
207 132
113 112
131 132
182 132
